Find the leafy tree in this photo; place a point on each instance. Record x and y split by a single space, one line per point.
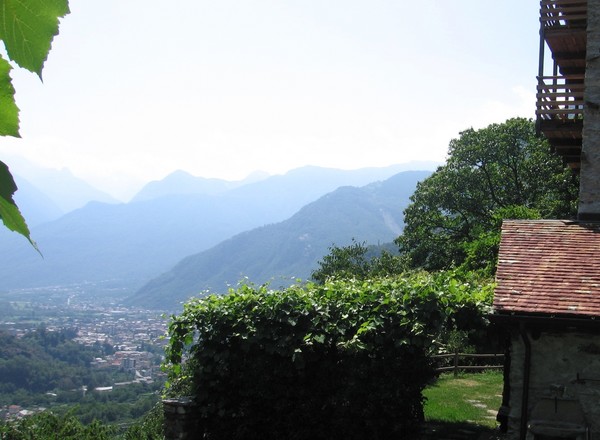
359 261
481 252
344 262
27 28
149 427
501 171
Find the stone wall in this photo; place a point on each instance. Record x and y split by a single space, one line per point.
589 190
557 360
180 420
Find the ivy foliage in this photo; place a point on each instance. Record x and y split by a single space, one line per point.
27 28
346 359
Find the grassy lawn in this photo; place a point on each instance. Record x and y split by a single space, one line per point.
467 402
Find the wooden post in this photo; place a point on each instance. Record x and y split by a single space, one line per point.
456 363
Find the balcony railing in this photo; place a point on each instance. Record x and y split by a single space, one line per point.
560 98
563 13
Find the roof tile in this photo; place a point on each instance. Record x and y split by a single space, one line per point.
548 267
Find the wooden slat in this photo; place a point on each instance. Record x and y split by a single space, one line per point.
456 366
471 355
545 91
565 12
562 2
567 9
575 86
561 77
551 97
547 99
563 17
470 367
574 111
558 112
557 91
560 99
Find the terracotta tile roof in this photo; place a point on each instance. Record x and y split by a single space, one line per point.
549 267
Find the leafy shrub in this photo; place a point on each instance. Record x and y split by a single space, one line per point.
345 359
49 426
149 427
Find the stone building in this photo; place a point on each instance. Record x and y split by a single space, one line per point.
548 297
548 278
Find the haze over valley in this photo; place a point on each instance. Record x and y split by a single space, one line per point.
184 234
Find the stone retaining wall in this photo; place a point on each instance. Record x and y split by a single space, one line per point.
180 420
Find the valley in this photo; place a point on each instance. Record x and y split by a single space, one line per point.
82 324
95 354
183 235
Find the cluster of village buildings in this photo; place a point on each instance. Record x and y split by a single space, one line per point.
133 339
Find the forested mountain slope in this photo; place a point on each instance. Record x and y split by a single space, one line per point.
290 249
131 243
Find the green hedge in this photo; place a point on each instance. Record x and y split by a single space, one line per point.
344 360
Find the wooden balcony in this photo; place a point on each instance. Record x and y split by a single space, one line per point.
560 101
563 26
560 97
559 112
563 13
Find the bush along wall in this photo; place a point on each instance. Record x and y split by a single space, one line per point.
347 359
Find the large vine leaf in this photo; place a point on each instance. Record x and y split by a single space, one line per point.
9 112
27 28
9 212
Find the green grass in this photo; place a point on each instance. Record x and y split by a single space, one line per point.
471 399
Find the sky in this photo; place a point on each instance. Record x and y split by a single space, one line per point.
135 89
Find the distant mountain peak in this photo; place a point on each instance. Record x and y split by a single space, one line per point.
291 248
181 182
67 191
131 243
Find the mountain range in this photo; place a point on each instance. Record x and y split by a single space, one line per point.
132 243
181 182
48 194
281 252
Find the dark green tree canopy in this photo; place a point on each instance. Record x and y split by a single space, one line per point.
501 171
359 261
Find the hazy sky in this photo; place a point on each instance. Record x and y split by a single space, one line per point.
136 89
